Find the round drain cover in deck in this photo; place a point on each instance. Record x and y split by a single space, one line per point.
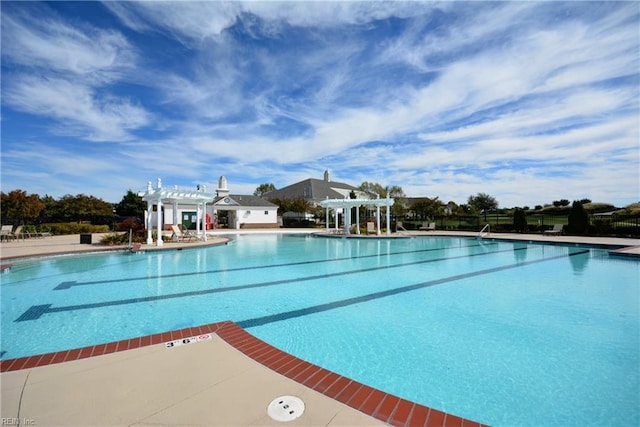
285 408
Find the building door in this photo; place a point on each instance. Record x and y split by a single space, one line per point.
189 220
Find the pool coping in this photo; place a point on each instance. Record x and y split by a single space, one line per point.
386 407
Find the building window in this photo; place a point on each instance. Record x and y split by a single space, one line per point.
266 212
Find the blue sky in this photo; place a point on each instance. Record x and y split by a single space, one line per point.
529 102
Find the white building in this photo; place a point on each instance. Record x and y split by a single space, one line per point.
198 210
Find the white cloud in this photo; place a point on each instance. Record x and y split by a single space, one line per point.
77 108
50 44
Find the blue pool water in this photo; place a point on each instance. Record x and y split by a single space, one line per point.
505 333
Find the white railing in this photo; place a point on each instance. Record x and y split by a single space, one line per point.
483 233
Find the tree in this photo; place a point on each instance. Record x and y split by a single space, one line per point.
483 203
298 205
18 208
374 190
131 205
49 210
519 220
263 189
84 208
426 208
578 219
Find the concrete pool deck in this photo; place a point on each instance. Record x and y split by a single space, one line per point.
227 379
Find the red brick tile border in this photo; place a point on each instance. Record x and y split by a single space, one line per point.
386 407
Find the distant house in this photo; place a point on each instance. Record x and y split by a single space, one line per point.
247 211
244 211
314 190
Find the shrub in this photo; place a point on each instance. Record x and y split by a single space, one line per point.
578 219
113 239
130 223
519 220
75 228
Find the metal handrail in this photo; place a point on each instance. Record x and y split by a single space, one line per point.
482 232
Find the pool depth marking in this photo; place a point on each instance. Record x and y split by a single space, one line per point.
259 321
69 284
36 311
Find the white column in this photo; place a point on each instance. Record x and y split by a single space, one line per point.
378 220
204 221
388 217
147 221
159 241
347 219
198 219
326 218
358 219
175 213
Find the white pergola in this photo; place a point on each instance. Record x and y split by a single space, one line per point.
348 204
175 196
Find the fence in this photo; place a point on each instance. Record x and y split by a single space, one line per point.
600 224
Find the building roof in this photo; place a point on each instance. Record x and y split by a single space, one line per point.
312 189
243 200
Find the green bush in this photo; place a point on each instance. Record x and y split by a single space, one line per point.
75 228
113 239
578 221
519 220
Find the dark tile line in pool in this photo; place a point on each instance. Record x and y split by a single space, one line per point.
36 311
259 321
386 407
69 284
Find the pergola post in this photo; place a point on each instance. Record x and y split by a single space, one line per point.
347 220
175 213
326 218
204 221
388 217
159 241
147 221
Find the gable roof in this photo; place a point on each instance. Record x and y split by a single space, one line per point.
312 189
243 200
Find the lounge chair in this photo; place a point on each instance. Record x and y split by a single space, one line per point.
555 231
44 232
371 228
20 233
179 235
427 226
6 233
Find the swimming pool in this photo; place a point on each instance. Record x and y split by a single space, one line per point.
506 333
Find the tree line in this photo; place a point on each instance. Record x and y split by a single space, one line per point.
18 208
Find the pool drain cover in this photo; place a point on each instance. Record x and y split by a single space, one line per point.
285 408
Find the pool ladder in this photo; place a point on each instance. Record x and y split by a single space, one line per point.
483 233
